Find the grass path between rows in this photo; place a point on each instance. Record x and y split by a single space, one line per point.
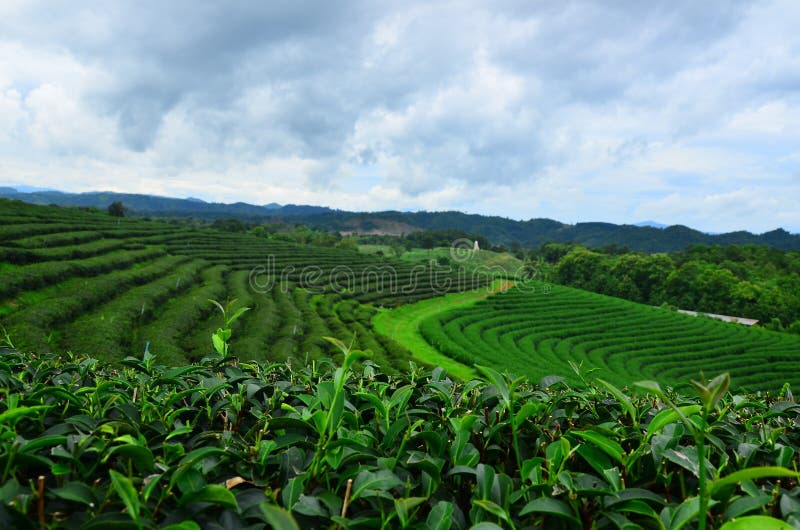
402 325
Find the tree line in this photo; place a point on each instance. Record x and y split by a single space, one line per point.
740 280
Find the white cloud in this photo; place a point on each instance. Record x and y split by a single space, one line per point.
738 209
774 118
573 110
12 116
62 125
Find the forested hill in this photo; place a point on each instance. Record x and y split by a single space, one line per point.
499 230
536 232
154 205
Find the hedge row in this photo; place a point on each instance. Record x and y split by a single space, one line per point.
540 329
177 317
39 275
31 327
110 328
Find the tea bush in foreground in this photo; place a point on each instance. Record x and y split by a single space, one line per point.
228 444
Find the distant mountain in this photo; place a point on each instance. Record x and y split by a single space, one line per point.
651 224
647 236
30 189
154 205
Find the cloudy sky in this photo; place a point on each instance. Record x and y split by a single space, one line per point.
680 112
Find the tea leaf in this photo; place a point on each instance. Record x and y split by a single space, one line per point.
607 445
76 491
278 518
669 416
550 506
761 522
369 483
213 493
752 473
624 401
441 516
124 488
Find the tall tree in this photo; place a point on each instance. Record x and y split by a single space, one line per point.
117 209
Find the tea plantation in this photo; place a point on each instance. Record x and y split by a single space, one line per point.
121 407
82 281
538 329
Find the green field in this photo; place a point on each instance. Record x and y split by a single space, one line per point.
81 281
535 330
281 428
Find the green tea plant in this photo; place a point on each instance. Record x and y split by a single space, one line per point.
221 337
231 443
710 394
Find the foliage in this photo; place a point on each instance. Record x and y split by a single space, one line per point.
228 225
117 209
224 443
502 264
220 339
747 281
710 395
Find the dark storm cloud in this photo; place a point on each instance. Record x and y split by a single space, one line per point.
159 53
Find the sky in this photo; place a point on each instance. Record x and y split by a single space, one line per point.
682 112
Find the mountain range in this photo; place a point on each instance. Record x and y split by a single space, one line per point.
647 236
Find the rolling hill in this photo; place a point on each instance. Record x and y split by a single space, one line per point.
81 281
536 330
499 230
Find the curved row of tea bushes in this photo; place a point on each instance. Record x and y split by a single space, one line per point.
40 275
179 316
52 308
109 328
539 333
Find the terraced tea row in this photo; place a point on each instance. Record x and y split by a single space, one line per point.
320 269
538 333
291 322
83 281
37 314
109 329
15 279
